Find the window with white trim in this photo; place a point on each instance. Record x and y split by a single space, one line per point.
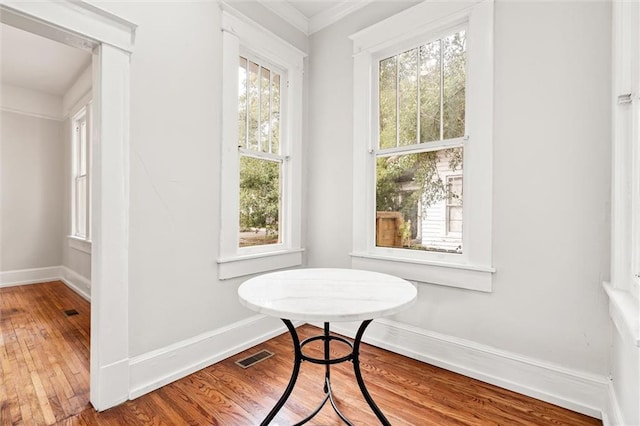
261 161
261 143
80 187
423 119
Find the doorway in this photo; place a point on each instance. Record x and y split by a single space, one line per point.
109 39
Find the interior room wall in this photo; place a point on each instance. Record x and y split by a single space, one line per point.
74 258
551 182
31 191
175 296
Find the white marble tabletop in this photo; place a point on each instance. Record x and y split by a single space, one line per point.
327 295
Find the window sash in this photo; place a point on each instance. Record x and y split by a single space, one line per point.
80 171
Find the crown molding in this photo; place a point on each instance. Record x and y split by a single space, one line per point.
335 13
321 20
289 13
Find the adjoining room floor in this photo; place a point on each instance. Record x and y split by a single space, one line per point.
44 358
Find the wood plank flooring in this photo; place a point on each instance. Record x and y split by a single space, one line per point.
44 359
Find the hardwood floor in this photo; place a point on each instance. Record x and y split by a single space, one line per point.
44 360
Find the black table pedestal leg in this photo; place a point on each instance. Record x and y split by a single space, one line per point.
297 360
356 369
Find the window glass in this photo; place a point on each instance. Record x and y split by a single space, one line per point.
260 162
412 196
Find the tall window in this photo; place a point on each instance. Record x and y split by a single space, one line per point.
261 174
421 128
80 168
259 149
422 159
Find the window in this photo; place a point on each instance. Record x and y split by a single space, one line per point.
261 143
423 102
421 128
80 211
259 148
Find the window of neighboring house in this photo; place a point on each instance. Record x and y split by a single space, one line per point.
423 119
261 145
80 217
454 207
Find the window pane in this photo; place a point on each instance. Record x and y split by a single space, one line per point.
275 114
387 100
82 146
254 105
81 206
242 103
408 97
454 69
265 105
411 200
430 92
259 201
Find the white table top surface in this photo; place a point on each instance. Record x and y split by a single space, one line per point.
327 295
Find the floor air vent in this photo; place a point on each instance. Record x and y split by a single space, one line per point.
254 359
71 312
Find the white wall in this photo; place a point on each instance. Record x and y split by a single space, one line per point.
174 175
74 254
31 192
551 183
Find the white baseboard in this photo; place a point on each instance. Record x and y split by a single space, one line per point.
71 278
29 276
575 390
113 379
158 368
76 282
612 414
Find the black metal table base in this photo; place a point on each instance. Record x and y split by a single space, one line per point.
327 361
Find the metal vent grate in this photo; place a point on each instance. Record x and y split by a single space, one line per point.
71 312
254 359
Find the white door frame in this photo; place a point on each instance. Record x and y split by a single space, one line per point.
110 39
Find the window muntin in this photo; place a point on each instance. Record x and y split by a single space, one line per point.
80 176
421 128
259 147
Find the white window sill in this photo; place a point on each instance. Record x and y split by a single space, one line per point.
470 277
238 266
79 244
624 312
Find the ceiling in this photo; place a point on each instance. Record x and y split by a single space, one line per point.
37 63
310 16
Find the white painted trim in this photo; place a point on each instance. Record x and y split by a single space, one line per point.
415 25
158 368
77 23
289 13
69 277
29 276
625 313
239 32
334 14
110 39
575 390
260 262
318 21
611 414
79 244
76 282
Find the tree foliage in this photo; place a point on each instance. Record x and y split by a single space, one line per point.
259 194
421 100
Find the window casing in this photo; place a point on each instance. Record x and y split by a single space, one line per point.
261 145
81 172
420 26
